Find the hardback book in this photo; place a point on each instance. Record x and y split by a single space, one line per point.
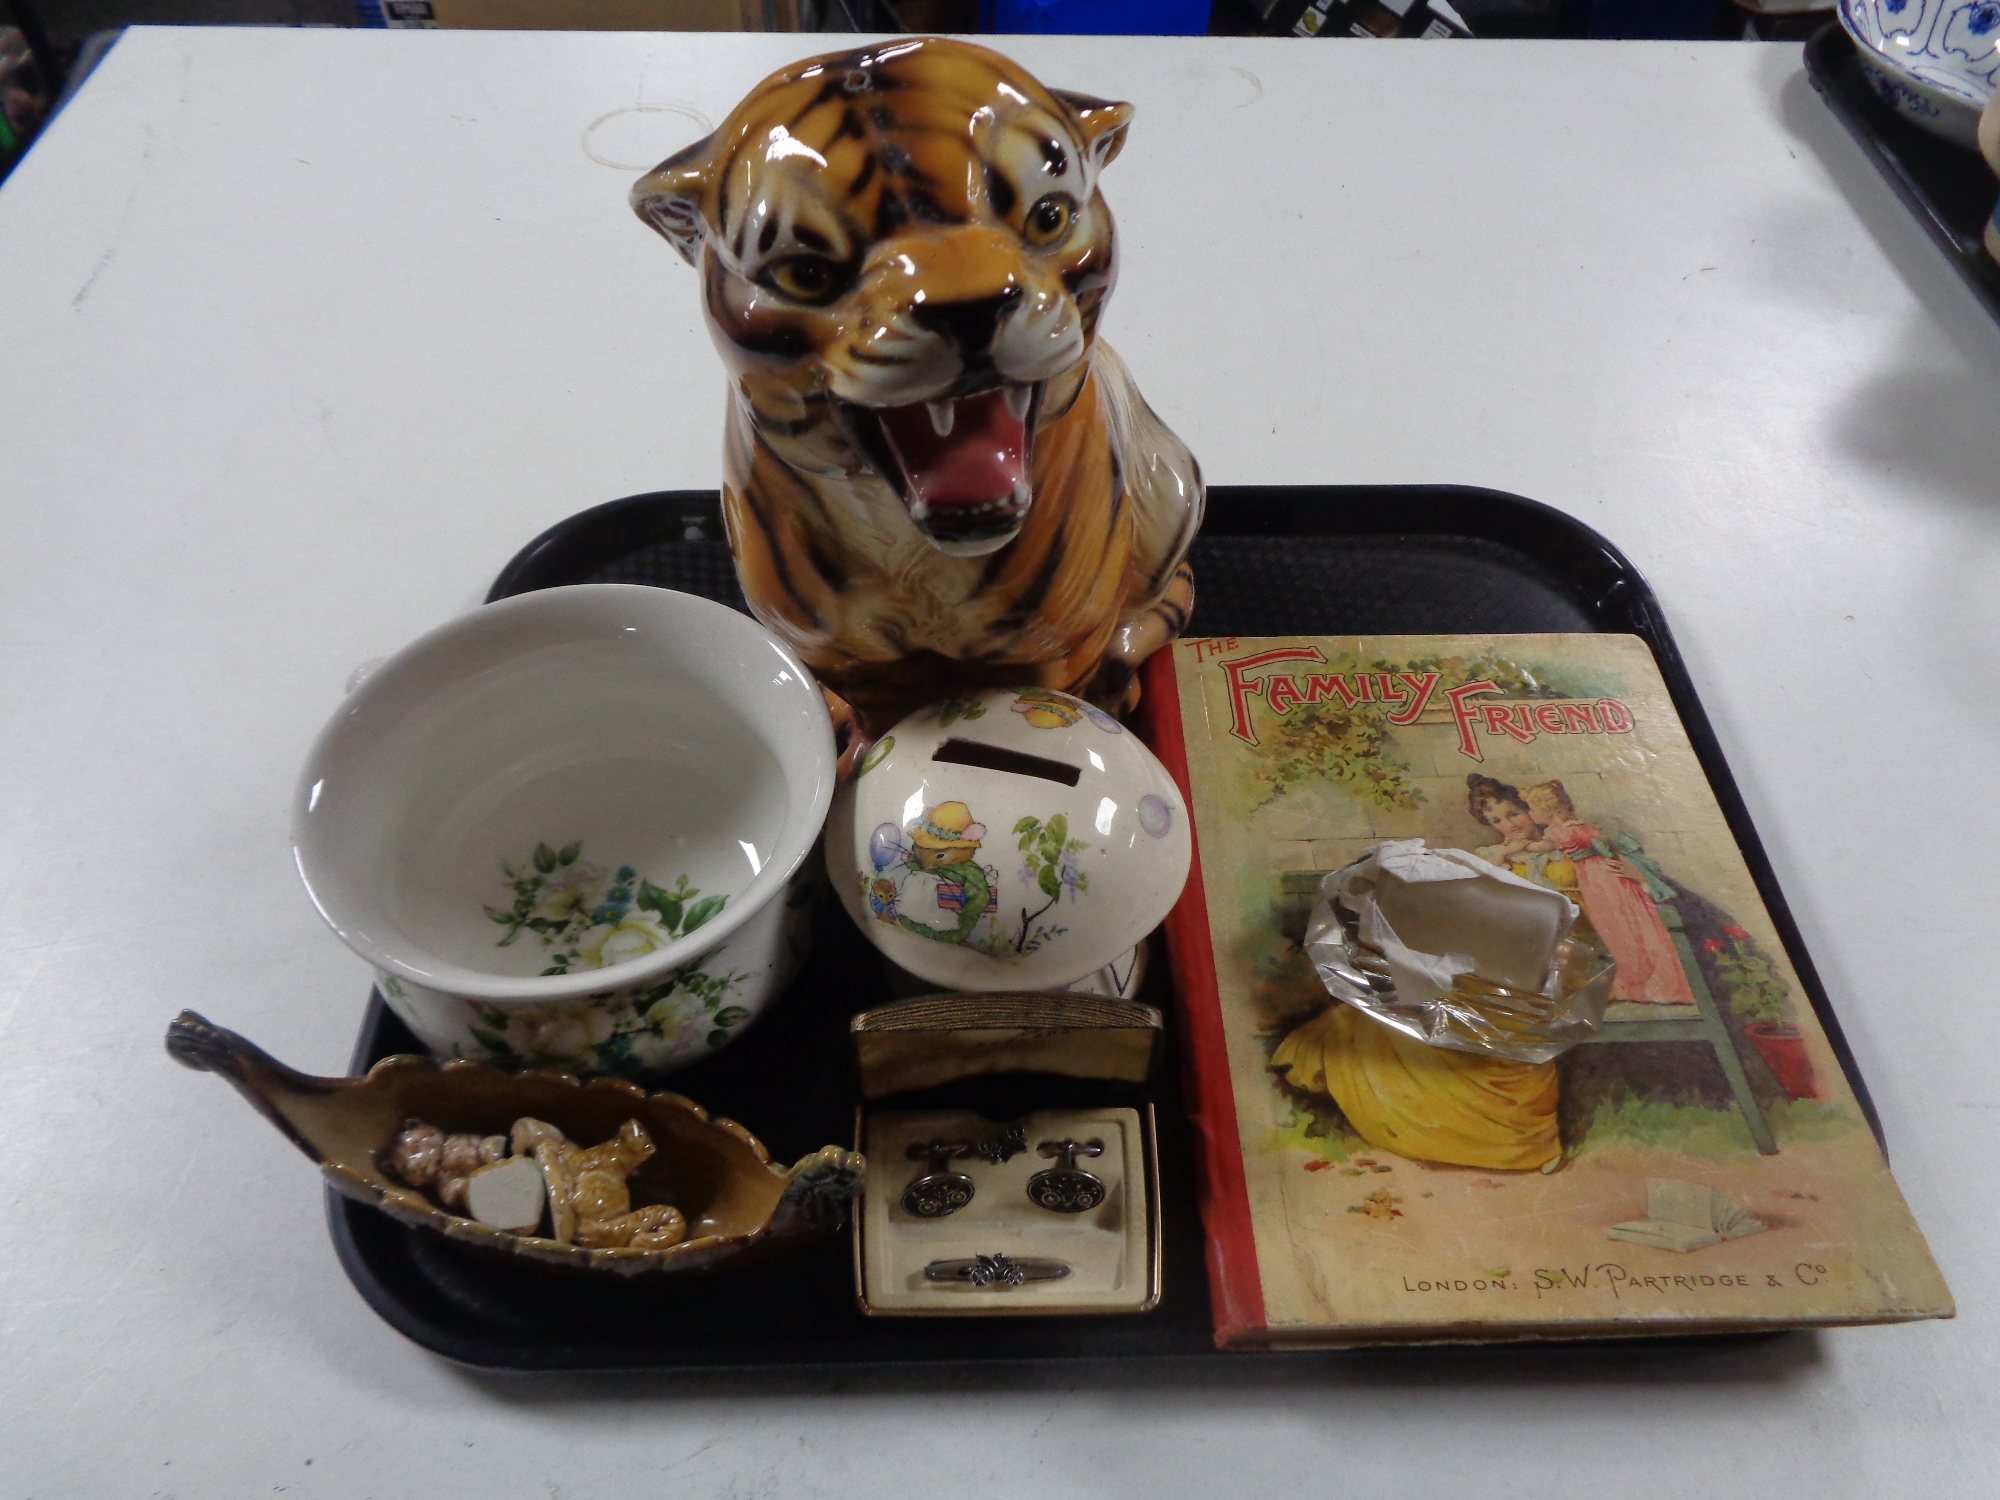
1699 1164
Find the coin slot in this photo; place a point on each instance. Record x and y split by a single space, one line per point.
995 758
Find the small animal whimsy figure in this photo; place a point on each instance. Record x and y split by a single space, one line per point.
589 1201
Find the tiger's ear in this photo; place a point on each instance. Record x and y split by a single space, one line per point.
1101 123
670 196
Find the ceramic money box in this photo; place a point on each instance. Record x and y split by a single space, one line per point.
936 477
1016 838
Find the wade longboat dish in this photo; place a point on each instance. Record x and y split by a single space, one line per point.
740 1205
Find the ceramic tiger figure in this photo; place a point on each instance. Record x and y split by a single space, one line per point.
936 478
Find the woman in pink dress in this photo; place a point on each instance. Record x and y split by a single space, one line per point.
1618 895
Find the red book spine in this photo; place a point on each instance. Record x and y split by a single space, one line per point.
1235 1289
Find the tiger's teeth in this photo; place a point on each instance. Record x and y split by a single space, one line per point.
943 414
1016 397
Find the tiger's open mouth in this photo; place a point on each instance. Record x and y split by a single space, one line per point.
961 467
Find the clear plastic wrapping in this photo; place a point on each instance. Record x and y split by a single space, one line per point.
1459 953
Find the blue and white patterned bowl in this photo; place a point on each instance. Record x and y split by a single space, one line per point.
1935 61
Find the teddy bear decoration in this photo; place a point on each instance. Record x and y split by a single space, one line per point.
936 478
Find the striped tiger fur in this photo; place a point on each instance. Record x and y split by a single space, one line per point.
935 475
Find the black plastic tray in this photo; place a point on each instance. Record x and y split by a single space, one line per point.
1418 559
1948 188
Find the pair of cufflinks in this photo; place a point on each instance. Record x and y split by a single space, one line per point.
1063 1189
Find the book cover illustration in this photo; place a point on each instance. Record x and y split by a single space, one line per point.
1701 1159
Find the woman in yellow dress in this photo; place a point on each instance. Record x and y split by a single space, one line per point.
1432 1103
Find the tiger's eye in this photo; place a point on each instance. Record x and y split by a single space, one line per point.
806 278
1049 220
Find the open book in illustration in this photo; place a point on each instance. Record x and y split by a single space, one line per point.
1685 1216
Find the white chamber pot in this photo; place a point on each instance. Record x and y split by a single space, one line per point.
570 829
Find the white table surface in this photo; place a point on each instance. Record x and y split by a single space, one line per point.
306 332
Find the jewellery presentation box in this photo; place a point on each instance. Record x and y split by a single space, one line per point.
1272 560
1007 1081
